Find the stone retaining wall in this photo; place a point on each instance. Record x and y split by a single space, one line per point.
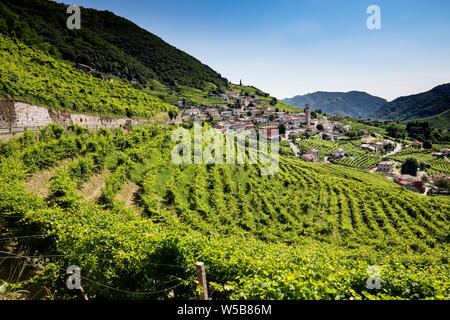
15 115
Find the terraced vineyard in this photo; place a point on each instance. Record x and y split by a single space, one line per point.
355 156
308 232
419 155
368 160
33 76
438 165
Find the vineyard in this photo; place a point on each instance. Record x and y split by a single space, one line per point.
355 156
368 160
308 232
419 155
33 76
437 165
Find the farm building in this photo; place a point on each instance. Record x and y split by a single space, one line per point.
386 166
309 157
338 153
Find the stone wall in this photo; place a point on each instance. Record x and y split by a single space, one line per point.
15 115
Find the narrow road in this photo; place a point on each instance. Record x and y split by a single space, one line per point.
427 188
397 149
292 144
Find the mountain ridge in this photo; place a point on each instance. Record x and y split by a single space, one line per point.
417 106
432 105
352 103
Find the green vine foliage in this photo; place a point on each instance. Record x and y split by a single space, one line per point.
33 76
309 232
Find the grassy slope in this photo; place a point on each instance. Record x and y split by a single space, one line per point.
440 121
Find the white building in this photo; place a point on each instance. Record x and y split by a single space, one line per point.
192 112
368 147
259 120
347 127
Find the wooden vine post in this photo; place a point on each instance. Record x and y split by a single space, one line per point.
201 275
84 293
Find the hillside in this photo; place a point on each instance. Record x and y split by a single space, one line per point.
308 232
440 121
115 48
33 76
353 104
115 203
106 42
423 105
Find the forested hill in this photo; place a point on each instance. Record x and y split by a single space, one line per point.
106 42
354 103
423 105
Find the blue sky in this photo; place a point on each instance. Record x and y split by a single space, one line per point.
301 46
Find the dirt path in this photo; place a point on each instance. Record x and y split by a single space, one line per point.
127 193
39 182
92 189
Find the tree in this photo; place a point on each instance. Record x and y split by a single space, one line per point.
320 127
424 165
427 144
272 117
443 184
410 167
274 102
282 129
388 147
172 114
396 131
419 130
350 134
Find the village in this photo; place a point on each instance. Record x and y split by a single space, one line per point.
250 113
